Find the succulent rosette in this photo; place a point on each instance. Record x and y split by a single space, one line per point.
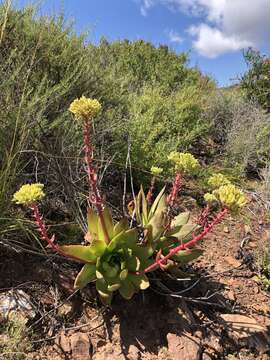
116 264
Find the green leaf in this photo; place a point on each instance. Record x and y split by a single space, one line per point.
110 271
185 233
127 289
185 256
139 281
142 252
120 226
141 207
103 291
181 219
157 224
92 220
123 275
133 263
108 223
159 203
114 287
98 247
125 239
84 253
85 276
99 275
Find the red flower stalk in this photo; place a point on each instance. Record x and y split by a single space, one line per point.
177 183
94 194
151 190
162 261
202 219
45 236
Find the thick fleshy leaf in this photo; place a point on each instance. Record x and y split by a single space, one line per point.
120 226
159 204
142 252
185 233
92 221
157 224
84 253
98 247
126 239
108 222
103 291
141 207
110 271
127 289
185 256
123 275
114 287
85 276
99 275
133 264
181 219
139 281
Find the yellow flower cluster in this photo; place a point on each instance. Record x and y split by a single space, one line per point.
156 170
84 108
28 194
209 198
217 180
231 197
185 162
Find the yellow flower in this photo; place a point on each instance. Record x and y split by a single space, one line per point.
231 197
217 180
28 194
156 170
185 162
84 108
173 156
209 198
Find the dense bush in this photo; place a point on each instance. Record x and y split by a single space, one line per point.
44 65
256 81
160 124
240 127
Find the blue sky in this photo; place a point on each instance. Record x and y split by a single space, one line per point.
214 32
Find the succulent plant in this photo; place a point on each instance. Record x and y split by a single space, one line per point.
161 233
116 256
116 264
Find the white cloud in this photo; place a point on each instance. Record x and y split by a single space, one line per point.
146 5
226 25
175 37
211 42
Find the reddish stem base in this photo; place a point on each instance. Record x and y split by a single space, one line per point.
162 261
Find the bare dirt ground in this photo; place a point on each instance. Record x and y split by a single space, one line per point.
220 312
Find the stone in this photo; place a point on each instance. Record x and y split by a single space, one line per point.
16 303
65 310
64 343
183 347
232 261
80 346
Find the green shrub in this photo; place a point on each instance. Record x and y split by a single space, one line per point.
44 65
240 127
160 124
256 81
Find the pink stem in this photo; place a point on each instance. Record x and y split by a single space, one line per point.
45 236
189 244
175 189
202 219
94 197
